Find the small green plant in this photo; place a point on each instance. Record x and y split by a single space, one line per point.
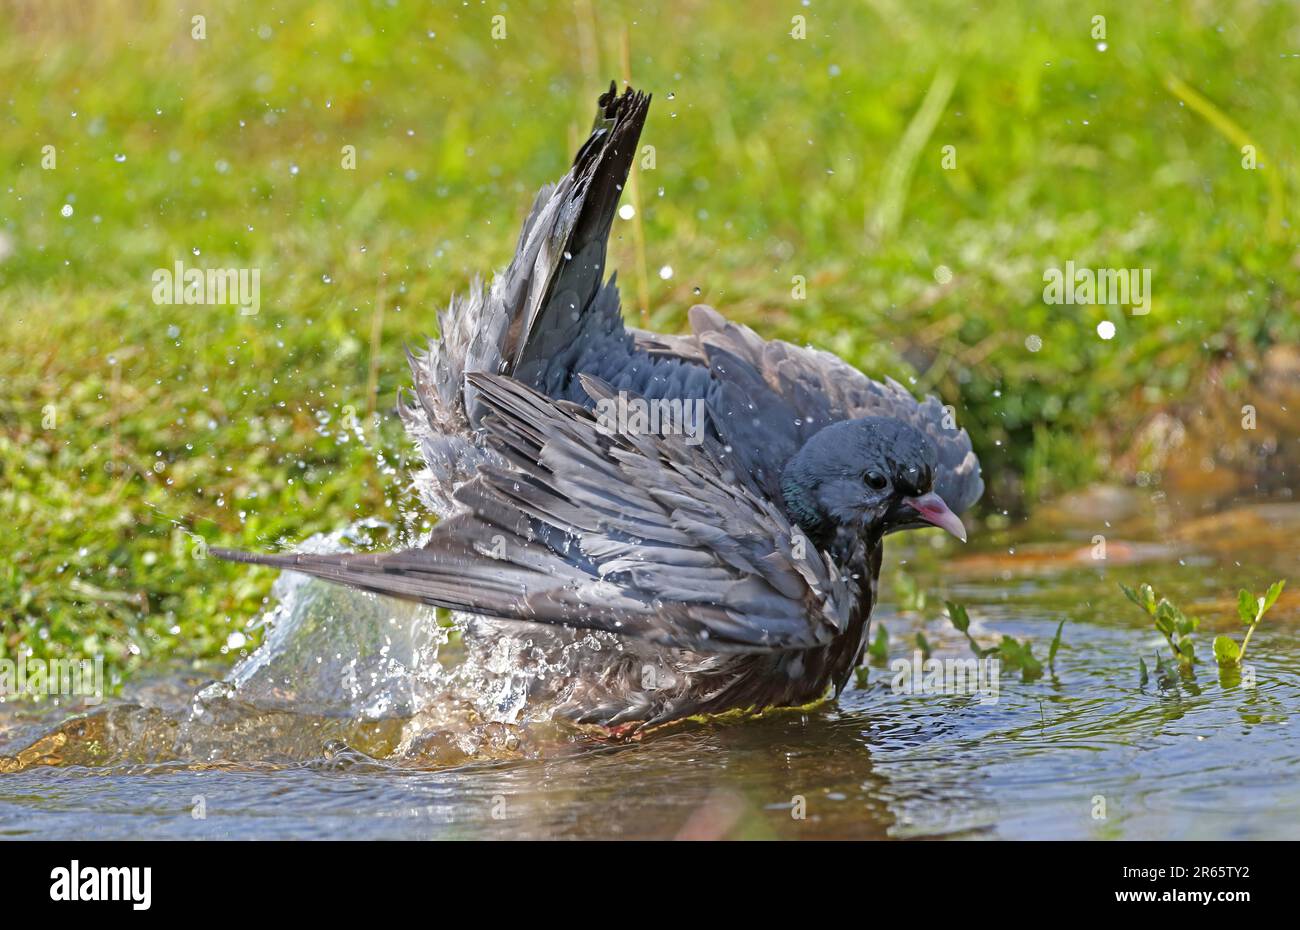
961 620
1251 610
1055 646
909 594
1011 652
878 651
1167 673
1015 654
877 654
923 644
1176 627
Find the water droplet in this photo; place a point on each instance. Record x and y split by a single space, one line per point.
67 209
119 158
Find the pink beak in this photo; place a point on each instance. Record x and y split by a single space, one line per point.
933 510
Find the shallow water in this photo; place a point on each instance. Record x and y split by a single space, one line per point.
362 718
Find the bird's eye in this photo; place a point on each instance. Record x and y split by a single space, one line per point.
875 480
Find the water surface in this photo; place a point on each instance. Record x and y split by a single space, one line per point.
362 718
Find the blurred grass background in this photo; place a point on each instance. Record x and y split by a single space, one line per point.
132 434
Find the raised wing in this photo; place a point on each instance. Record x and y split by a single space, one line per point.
542 316
641 535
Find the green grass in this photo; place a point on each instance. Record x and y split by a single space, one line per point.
775 158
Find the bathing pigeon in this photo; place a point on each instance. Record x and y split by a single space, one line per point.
732 558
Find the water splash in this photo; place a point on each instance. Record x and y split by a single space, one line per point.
343 673
339 651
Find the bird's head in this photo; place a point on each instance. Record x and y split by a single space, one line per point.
872 476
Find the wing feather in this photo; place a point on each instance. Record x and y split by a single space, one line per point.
640 535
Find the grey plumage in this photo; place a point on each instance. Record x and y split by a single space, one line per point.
744 566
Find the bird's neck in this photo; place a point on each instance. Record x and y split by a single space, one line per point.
845 545
805 513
